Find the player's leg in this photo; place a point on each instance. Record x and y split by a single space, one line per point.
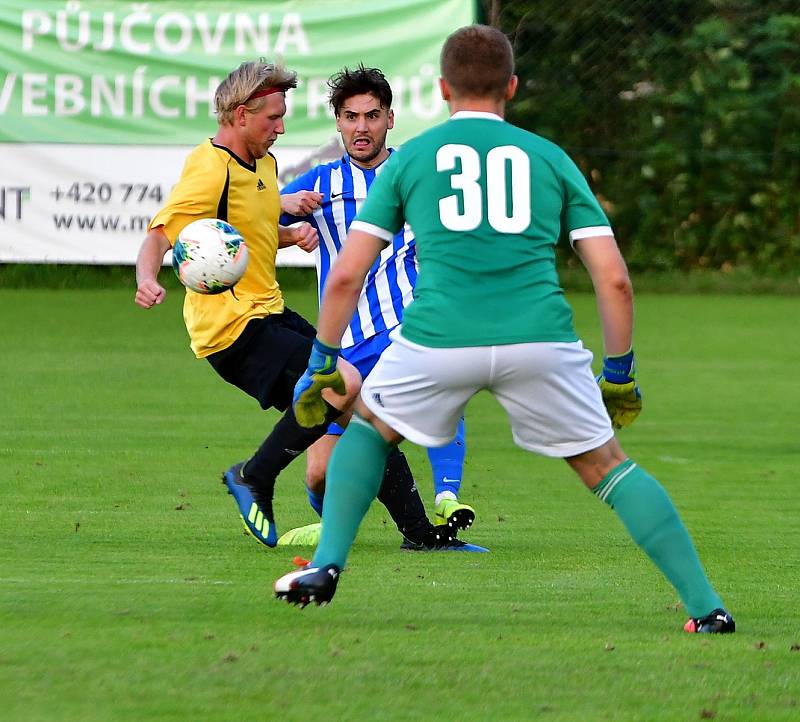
252 482
355 473
317 458
398 493
288 439
447 465
556 409
266 362
429 411
653 522
354 476
354 479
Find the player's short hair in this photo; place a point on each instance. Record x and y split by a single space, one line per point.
249 85
359 81
477 61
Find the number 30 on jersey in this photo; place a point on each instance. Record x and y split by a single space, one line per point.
501 216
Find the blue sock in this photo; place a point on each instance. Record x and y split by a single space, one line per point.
447 463
315 500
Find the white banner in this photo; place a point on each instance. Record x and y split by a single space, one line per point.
92 203
101 101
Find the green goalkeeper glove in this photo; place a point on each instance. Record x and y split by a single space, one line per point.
310 408
621 395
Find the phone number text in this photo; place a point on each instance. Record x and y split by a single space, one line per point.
88 192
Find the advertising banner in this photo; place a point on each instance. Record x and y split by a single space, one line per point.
100 102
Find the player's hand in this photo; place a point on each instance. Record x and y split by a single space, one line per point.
149 293
621 395
301 203
309 407
304 236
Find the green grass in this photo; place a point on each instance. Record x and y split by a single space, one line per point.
128 592
735 281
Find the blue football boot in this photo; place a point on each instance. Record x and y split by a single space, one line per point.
439 539
258 518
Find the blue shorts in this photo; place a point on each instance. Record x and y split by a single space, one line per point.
363 356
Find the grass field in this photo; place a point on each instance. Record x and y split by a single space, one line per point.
128 591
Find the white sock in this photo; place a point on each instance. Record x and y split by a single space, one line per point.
445 495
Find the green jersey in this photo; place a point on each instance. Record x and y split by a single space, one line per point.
487 203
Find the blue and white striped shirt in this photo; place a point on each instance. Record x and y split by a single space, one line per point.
389 285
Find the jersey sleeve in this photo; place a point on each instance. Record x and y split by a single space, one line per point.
196 195
303 182
582 215
382 212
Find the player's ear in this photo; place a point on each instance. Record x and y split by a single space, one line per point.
444 89
338 127
390 123
513 82
240 116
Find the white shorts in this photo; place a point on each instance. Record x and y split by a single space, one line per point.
547 389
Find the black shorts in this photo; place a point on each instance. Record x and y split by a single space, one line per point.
268 358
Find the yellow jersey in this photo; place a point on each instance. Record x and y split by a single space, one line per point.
215 183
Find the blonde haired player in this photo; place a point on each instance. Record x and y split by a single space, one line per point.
249 336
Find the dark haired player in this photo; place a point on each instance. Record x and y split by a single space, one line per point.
329 196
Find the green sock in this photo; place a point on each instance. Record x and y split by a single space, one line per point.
651 519
353 479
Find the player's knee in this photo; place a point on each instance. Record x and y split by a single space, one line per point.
315 472
352 379
390 436
593 466
615 455
315 479
352 387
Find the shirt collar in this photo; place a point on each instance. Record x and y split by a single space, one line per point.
474 114
347 159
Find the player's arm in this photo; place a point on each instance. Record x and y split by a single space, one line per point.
344 283
299 199
339 300
303 235
593 241
301 203
614 293
195 195
148 263
366 238
613 290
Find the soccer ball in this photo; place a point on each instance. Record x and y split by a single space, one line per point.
209 256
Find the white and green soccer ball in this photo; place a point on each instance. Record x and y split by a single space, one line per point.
209 256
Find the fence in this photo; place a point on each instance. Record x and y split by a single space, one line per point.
684 115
